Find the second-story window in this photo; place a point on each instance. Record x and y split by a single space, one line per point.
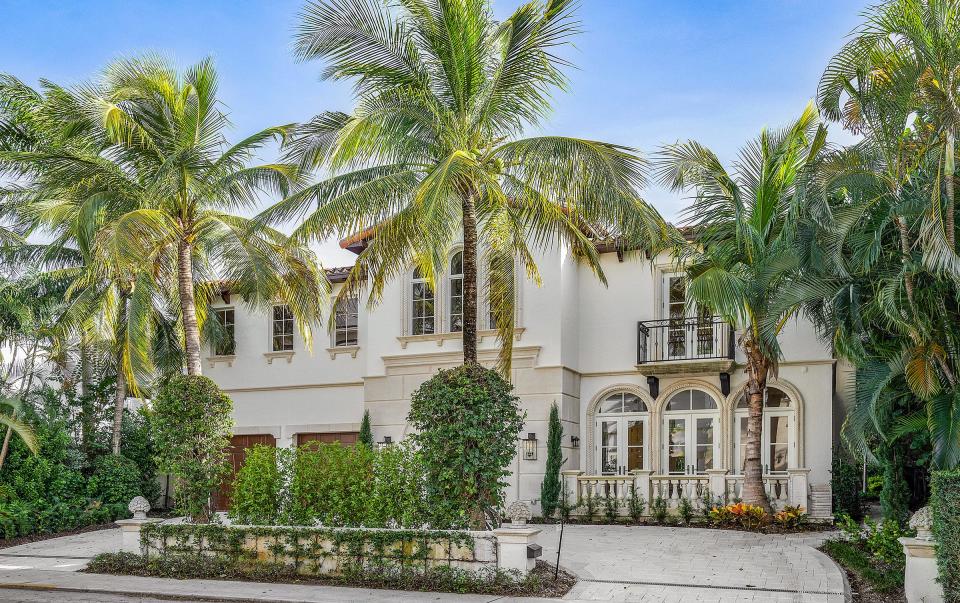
281 330
491 299
456 292
422 316
345 332
227 344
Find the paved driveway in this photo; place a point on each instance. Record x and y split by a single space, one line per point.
68 553
621 563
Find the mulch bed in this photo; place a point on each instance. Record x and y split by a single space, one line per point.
9 542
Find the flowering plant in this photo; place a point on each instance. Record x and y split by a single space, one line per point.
748 517
790 517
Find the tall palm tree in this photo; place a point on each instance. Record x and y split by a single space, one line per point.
746 262
433 149
168 129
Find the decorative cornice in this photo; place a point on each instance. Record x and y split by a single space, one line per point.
456 356
343 349
440 338
271 356
213 360
272 388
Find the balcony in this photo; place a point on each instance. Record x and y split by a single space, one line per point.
690 346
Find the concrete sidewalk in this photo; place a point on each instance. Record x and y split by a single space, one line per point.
61 585
67 553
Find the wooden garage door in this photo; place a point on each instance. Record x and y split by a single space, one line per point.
344 437
236 455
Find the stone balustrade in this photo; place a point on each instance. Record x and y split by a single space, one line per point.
712 487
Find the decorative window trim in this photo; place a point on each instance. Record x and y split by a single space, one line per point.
593 411
343 349
440 338
449 278
356 327
233 324
214 360
271 356
798 406
409 310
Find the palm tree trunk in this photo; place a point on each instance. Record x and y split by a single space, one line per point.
757 369
188 308
120 391
469 279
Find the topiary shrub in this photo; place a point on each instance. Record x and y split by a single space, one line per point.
115 480
191 425
550 488
467 423
944 502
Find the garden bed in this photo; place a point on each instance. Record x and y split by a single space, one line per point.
811 526
868 583
539 583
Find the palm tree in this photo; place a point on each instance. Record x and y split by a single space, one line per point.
9 409
433 149
746 262
169 130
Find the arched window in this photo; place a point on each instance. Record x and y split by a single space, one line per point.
690 432
456 292
622 434
422 309
777 439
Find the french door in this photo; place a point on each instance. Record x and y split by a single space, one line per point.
621 444
690 443
777 447
688 334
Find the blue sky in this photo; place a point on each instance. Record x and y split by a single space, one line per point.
648 71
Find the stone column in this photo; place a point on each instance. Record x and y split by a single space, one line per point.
717 479
130 528
641 481
517 548
797 488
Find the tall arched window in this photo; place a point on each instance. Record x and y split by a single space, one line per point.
456 292
422 307
690 432
777 444
622 434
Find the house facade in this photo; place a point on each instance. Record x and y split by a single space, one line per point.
650 394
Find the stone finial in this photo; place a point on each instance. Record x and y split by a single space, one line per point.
139 507
519 513
922 521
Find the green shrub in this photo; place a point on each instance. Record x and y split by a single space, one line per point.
550 488
191 425
658 509
611 508
397 489
467 423
685 510
855 558
589 504
115 480
330 483
846 483
944 502
565 507
635 504
894 493
366 433
259 489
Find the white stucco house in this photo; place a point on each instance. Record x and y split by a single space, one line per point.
648 396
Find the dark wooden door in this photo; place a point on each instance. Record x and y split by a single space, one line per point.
236 455
344 437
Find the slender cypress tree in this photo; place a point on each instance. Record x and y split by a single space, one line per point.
550 489
366 435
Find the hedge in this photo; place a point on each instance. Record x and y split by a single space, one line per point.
945 501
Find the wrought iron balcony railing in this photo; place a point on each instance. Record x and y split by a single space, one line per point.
696 338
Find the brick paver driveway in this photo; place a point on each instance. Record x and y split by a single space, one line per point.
659 564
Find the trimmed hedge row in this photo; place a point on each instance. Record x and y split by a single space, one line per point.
21 519
945 502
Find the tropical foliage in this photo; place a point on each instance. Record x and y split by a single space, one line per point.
433 152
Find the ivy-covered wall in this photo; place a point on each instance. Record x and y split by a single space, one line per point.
324 551
945 502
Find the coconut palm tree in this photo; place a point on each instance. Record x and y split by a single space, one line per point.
168 129
746 263
433 149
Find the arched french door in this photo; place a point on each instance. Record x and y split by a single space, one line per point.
622 434
778 449
691 433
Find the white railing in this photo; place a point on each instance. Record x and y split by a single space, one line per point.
672 488
776 486
715 487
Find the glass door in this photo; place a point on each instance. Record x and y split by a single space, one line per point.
674 311
775 442
690 443
621 444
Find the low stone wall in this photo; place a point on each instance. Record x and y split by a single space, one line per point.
337 551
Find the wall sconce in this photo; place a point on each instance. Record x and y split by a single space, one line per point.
530 447
386 443
575 441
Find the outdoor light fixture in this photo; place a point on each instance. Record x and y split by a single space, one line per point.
386 443
575 441
653 384
725 383
530 447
